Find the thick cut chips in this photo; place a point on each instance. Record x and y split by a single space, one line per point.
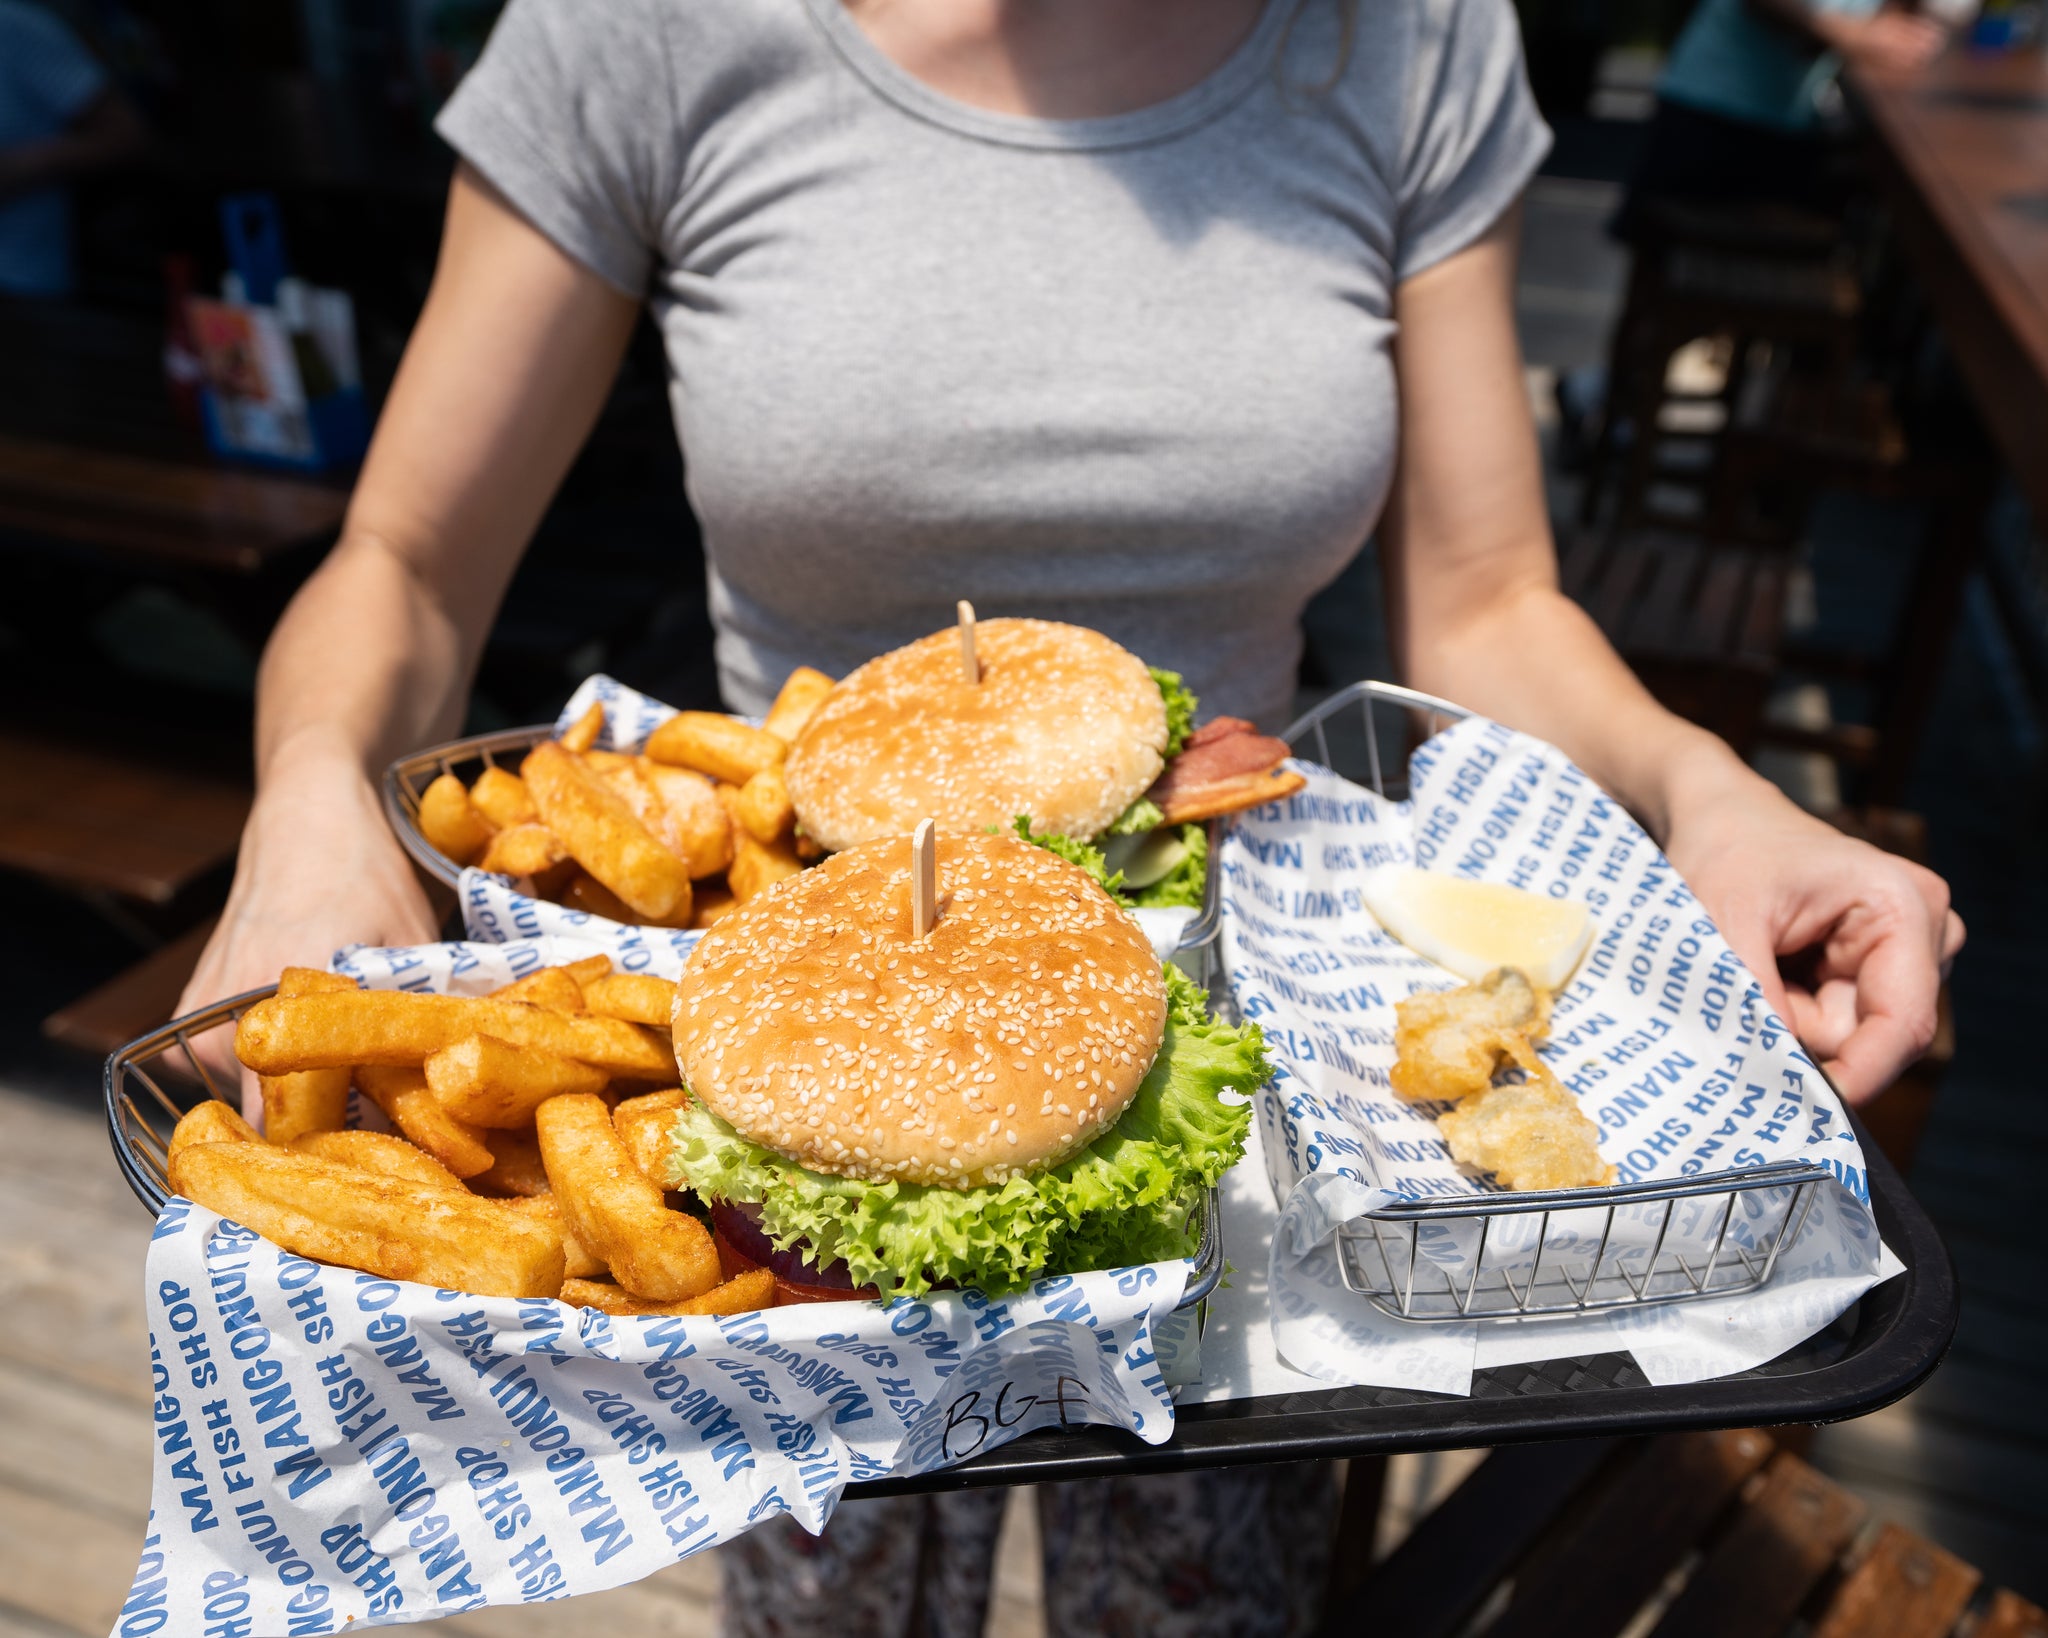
487 1082
802 694
578 1262
211 1122
379 1152
410 1105
742 1294
397 1027
515 1171
647 1127
603 835
635 997
450 821
313 1100
555 988
500 796
698 825
615 1211
716 745
523 850
757 867
383 1225
764 807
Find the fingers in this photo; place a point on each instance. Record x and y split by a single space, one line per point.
1896 987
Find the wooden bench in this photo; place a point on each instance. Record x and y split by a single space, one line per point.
1697 1535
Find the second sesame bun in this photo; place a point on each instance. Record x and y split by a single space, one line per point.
1008 1039
1064 725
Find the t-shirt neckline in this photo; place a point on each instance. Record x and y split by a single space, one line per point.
1200 102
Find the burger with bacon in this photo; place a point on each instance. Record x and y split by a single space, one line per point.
1061 733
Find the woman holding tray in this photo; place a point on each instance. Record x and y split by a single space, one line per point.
1137 313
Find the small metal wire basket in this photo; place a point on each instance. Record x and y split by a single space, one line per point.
150 1083
1511 1255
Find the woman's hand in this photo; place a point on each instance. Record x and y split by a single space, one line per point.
1850 943
319 869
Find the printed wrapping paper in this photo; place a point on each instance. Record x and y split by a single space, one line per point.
1661 1033
336 1449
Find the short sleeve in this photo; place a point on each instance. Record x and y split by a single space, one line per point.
1472 137
570 114
48 69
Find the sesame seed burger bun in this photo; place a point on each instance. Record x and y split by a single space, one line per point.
1064 725
1006 1041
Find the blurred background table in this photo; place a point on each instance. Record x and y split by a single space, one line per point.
1962 149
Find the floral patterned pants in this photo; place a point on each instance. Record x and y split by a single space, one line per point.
1242 1552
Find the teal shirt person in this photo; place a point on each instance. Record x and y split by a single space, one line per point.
47 79
1733 62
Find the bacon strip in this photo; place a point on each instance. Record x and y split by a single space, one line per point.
1225 765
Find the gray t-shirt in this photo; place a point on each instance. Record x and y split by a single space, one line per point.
1132 372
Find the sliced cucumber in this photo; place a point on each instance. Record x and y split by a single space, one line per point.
1144 859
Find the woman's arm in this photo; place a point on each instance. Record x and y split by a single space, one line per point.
511 361
1478 618
1891 37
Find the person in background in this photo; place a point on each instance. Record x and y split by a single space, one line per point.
60 118
1739 105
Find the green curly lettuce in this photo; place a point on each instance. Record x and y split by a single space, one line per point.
1181 887
1086 857
1181 706
1124 1199
1141 816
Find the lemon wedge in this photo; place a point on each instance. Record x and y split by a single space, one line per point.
1473 927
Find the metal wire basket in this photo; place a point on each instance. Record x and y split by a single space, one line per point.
1510 1255
409 776
153 1080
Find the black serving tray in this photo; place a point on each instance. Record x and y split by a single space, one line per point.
1884 1346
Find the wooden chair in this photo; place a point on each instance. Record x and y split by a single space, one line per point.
1754 275
1701 623
1696 1535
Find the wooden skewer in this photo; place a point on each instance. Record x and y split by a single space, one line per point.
970 667
924 880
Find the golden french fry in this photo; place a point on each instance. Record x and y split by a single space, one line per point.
581 734
802 694
516 1170
383 1152
553 987
500 796
742 1294
713 901
578 1263
450 823
587 968
764 807
608 764
313 1100
523 850
586 893
699 828
210 1122
756 868
636 997
410 1105
487 1082
399 1027
721 746
646 1125
598 828
609 1206
313 981
391 1226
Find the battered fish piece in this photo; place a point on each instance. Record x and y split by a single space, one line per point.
1531 1136
1449 1044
